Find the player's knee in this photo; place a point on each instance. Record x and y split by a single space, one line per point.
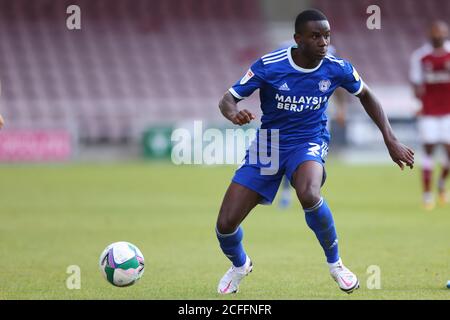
309 196
226 225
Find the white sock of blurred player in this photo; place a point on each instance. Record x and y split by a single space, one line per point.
443 196
427 175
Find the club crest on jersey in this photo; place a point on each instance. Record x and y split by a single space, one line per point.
324 85
428 66
247 76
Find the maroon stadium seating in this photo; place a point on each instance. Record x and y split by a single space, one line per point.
132 62
382 56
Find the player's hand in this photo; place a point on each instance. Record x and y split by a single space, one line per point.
1 121
242 117
401 154
419 91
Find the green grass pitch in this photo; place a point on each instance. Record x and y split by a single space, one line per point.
54 216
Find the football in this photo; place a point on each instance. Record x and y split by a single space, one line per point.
122 264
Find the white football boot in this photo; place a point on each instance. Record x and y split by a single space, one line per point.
230 281
347 280
428 201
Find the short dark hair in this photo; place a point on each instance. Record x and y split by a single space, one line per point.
306 16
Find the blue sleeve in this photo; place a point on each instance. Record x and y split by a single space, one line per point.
351 81
252 80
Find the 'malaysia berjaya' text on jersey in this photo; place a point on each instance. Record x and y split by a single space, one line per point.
294 99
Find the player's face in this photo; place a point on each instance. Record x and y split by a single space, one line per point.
438 34
314 39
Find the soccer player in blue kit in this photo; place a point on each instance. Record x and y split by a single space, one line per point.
295 85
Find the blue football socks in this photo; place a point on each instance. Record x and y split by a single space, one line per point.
320 220
231 245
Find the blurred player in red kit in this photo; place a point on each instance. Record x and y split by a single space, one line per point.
430 76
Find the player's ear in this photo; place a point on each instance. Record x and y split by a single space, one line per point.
297 38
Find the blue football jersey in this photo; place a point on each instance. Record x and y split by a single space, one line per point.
294 99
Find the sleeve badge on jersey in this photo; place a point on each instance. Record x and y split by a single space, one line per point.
356 75
247 76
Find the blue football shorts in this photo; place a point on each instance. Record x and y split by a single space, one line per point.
250 174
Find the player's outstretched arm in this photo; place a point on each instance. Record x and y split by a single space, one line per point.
229 109
400 153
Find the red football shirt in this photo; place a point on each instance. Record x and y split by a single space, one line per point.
431 68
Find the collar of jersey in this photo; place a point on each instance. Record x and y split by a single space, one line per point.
298 68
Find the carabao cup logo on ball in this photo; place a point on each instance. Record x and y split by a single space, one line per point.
122 264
